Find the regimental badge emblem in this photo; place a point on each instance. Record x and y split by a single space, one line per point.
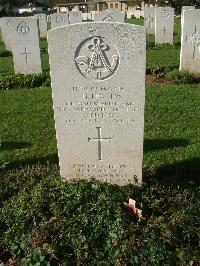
165 14
97 60
109 18
59 19
23 28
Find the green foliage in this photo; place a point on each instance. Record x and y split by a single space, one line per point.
45 221
17 81
183 77
5 53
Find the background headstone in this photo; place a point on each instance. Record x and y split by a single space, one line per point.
59 19
129 14
75 17
25 41
98 83
6 31
164 25
85 16
190 41
109 16
137 13
42 19
149 20
184 8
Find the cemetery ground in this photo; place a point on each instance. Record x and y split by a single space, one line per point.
45 221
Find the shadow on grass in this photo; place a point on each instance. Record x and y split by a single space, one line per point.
181 173
50 159
14 145
161 144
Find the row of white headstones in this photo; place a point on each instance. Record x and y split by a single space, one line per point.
159 21
22 35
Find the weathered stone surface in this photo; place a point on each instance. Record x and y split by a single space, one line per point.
190 41
25 41
6 32
59 20
75 17
164 25
42 19
98 83
149 20
109 16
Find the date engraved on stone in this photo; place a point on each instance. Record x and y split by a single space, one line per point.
96 60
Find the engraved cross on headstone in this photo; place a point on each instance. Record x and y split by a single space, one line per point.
26 54
150 20
194 39
164 31
99 139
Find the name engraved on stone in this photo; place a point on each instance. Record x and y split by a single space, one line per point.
96 60
23 28
99 139
26 54
194 39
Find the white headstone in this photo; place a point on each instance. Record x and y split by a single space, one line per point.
92 14
129 14
164 25
75 17
149 20
85 16
6 31
59 20
98 83
42 18
25 41
137 13
184 8
142 13
89 16
190 41
109 16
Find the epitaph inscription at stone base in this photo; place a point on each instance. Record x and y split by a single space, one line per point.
26 50
59 20
149 20
164 25
109 16
98 83
190 41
